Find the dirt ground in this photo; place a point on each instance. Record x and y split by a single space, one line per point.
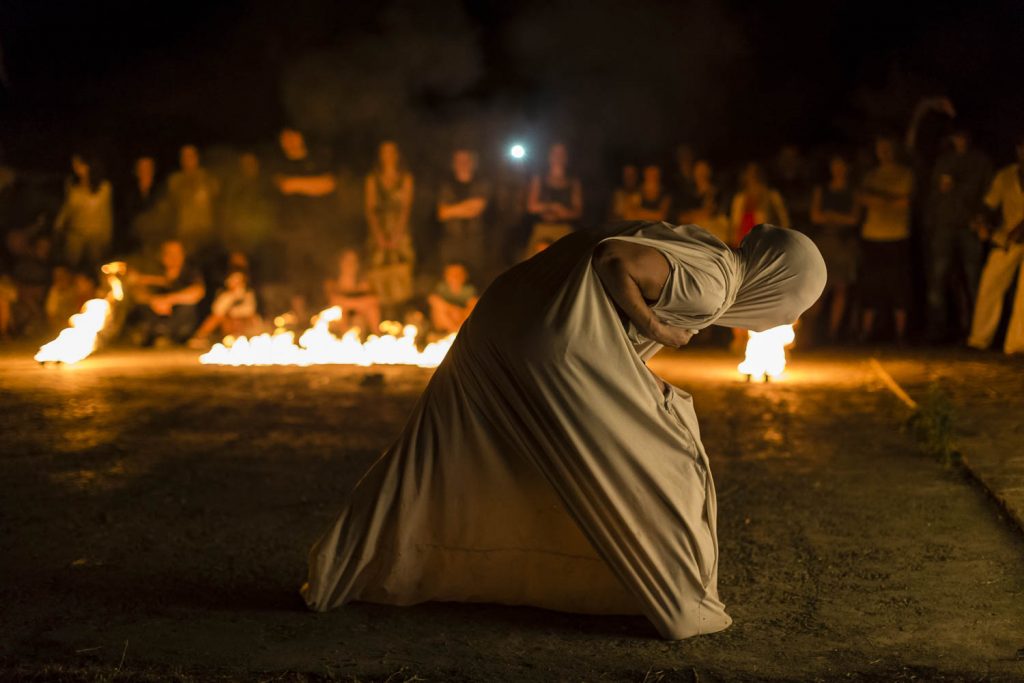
155 515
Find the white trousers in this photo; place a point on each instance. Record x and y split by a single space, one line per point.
1000 268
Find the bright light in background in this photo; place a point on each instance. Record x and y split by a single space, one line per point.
517 151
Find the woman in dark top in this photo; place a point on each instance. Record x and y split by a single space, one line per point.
834 215
652 202
555 201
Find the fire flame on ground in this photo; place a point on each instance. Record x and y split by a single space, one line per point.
319 346
79 340
766 352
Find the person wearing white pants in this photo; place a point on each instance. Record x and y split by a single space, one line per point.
1004 261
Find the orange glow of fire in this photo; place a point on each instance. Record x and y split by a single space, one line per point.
319 346
77 341
766 352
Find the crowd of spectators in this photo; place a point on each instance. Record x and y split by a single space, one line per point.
913 242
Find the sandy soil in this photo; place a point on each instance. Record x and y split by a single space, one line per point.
155 515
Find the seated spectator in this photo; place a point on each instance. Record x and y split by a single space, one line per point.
652 202
62 300
168 299
32 267
452 300
625 194
233 312
351 290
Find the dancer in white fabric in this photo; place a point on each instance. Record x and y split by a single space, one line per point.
545 464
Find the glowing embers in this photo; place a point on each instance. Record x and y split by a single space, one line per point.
766 352
81 337
319 346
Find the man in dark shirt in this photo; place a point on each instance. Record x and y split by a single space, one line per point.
461 203
305 186
168 300
957 187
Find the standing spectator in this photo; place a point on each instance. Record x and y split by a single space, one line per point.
885 195
86 218
388 203
461 203
834 215
652 202
168 300
452 300
555 200
682 178
754 204
248 209
1005 194
192 192
704 203
955 195
791 179
305 187
350 290
139 221
625 195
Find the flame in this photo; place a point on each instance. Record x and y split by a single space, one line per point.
319 346
766 352
79 339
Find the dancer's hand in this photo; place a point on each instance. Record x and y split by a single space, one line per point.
670 335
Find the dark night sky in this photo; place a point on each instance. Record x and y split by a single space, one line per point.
734 77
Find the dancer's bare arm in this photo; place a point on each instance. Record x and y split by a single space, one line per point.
633 275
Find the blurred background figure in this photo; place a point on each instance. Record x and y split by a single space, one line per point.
885 280
651 202
834 216
703 205
233 312
461 203
192 192
754 204
138 223
350 289
682 175
791 178
556 199
625 195
1005 198
85 222
388 205
167 301
305 186
452 300
248 211
953 250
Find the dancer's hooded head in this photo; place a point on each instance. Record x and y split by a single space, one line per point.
781 275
